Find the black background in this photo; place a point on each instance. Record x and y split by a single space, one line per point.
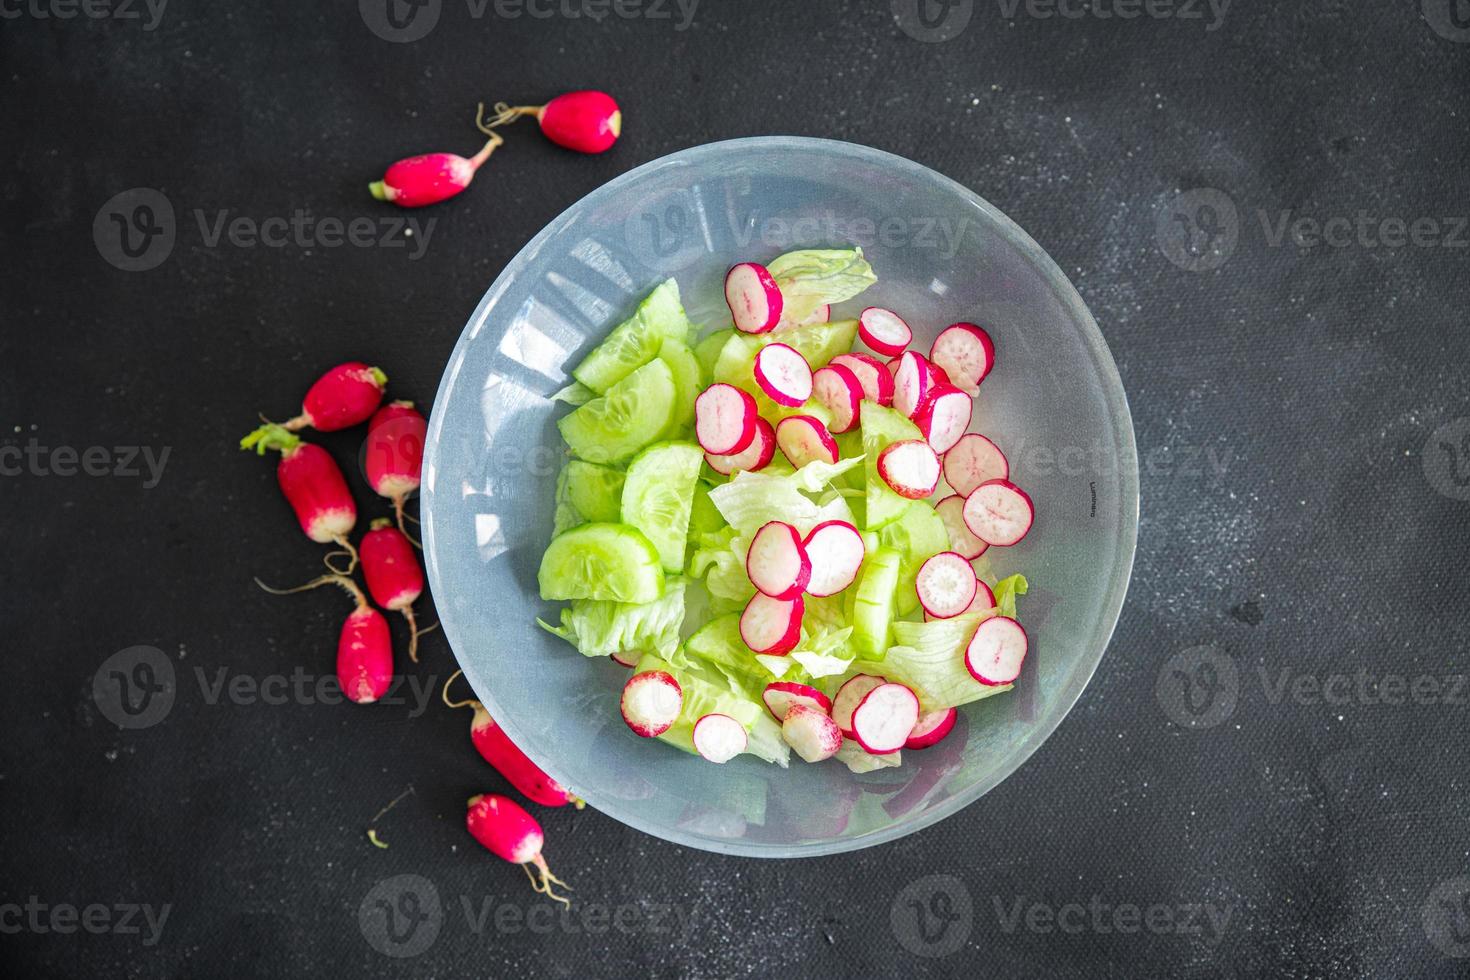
1283 403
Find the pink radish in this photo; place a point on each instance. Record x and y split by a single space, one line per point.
849 695
946 585
839 390
871 373
512 834
884 331
822 314
944 416
393 455
883 719
910 467
911 383
951 511
972 461
431 177
651 702
966 353
811 733
393 574
931 728
772 626
627 658
999 513
783 374
753 297
343 397
984 601
779 696
996 651
724 419
776 562
756 456
364 654
313 485
803 438
836 552
496 748
586 121
719 738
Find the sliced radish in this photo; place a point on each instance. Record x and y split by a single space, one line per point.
837 388
931 728
984 598
910 467
849 695
944 416
719 738
972 461
779 696
651 702
777 563
756 456
999 513
951 511
911 383
966 353
783 374
772 626
811 733
754 298
883 719
822 314
836 552
871 373
627 658
724 419
994 654
946 585
884 331
804 438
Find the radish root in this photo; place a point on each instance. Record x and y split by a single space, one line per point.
342 581
444 694
344 548
505 113
542 881
398 501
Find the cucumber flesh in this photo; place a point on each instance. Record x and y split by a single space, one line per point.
707 351
601 561
637 340
882 426
872 610
688 383
658 497
595 491
634 413
918 535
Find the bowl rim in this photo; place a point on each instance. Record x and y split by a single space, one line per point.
1114 395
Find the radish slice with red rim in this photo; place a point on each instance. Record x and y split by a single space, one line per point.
849 695
803 438
719 738
753 297
779 696
627 658
822 314
783 374
724 419
839 390
931 728
910 467
911 383
871 373
754 457
884 331
974 460
951 511
812 734
999 513
883 719
777 563
836 552
966 353
772 626
995 653
944 416
651 702
946 585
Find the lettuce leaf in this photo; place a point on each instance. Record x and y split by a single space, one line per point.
706 691
815 277
857 759
1006 591
601 627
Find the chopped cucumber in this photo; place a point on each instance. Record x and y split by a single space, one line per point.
704 516
820 342
636 341
601 561
635 412
707 351
658 496
872 609
882 426
596 492
918 535
688 383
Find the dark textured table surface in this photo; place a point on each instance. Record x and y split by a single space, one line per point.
1267 777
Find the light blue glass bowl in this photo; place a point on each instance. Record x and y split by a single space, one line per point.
1054 403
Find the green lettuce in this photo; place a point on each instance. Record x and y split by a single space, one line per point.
600 627
815 277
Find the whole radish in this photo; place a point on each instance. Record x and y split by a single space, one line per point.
312 484
586 121
393 455
430 178
343 397
496 748
364 647
393 574
512 834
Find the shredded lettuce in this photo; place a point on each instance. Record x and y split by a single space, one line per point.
816 277
1006 591
706 691
720 556
600 627
856 758
575 393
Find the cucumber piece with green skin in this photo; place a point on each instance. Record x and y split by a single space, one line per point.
872 609
601 561
704 516
918 535
688 383
882 426
658 496
637 340
817 342
634 413
595 491
707 351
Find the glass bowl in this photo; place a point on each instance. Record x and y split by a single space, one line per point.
1054 404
